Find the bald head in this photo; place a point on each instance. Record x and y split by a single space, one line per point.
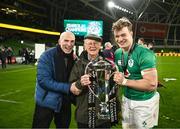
67 41
66 34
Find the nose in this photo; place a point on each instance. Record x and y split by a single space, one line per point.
70 43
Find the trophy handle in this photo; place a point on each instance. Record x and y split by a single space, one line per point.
116 85
87 67
90 75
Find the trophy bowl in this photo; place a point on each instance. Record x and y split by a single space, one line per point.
101 87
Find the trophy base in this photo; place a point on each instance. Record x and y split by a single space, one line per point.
103 112
103 116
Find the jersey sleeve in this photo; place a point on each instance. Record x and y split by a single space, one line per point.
147 60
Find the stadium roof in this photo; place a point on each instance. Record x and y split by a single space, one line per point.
49 14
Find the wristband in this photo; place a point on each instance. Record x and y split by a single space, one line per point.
124 81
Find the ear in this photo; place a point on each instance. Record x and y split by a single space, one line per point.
131 33
59 41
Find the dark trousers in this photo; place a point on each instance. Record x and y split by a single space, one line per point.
9 59
102 126
3 64
43 117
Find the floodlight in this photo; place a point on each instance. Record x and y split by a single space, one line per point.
111 4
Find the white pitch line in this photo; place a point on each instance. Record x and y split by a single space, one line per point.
10 93
9 101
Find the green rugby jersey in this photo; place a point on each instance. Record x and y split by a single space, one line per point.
141 58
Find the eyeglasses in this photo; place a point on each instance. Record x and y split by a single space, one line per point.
92 43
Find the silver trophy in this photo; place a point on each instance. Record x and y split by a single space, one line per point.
101 72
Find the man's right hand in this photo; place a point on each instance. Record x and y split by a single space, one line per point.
118 77
74 89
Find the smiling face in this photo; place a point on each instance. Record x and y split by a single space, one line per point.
67 41
92 47
123 33
124 38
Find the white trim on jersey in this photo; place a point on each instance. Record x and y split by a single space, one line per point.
146 71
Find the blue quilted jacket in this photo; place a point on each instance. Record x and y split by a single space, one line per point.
48 91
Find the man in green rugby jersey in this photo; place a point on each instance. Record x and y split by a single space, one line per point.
138 77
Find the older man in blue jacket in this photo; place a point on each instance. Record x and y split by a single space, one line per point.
52 88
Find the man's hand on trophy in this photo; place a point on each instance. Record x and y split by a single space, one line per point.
85 80
74 89
118 77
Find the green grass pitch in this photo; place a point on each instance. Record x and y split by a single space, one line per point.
17 84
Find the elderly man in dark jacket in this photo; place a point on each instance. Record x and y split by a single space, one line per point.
52 87
92 44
